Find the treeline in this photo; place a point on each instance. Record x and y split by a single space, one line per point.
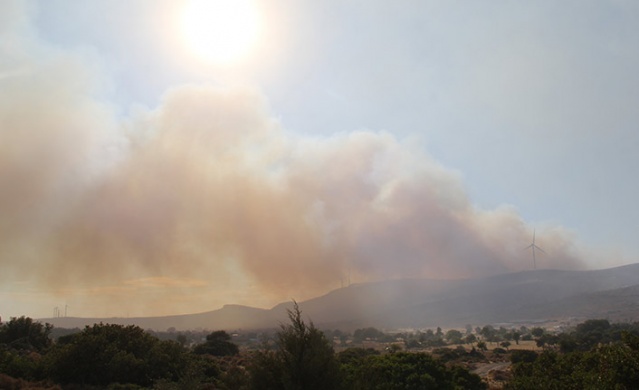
300 356
593 355
428 339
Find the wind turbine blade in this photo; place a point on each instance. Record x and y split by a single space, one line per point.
539 249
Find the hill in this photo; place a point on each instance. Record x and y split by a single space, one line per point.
528 296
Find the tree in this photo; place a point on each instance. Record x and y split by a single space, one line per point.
394 348
592 332
181 339
537 332
454 336
217 343
469 329
367 333
355 355
304 359
489 333
24 333
541 342
516 337
427 336
405 370
590 326
109 353
18 364
413 344
611 367
523 356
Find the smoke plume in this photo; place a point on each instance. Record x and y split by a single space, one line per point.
206 199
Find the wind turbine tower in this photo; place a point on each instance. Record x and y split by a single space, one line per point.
534 246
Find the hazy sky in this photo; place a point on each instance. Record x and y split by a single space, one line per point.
376 139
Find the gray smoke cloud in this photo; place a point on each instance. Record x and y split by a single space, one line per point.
206 199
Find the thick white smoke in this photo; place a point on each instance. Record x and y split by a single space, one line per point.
206 199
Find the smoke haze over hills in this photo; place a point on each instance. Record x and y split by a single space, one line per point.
522 298
208 199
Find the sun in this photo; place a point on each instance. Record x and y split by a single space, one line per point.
221 31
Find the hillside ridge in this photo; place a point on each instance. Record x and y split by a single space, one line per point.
419 303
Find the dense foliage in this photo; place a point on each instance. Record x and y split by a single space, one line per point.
589 364
593 355
26 334
404 371
103 354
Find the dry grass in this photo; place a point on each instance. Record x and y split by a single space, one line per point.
527 345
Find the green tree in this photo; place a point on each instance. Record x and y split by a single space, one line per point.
355 355
394 348
523 356
217 343
351 360
469 329
413 344
408 371
181 339
592 332
590 326
516 336
24 333
106 353
367 333
611 367
304 359
22 341
18 364
470 338
489 333
454 336
537 332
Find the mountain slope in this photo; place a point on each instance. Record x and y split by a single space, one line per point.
417 303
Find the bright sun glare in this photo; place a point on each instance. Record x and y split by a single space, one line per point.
221 31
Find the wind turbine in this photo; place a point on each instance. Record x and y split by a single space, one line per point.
533 246
346 278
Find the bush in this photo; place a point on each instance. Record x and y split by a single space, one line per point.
608 367
24 333
105 354
304 359
519 356
405 370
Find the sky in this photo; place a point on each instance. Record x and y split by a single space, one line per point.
143 174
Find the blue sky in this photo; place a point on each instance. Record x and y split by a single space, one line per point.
521 115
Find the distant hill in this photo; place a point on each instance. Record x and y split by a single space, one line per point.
417 303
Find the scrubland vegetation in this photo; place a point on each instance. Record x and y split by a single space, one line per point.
594 354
